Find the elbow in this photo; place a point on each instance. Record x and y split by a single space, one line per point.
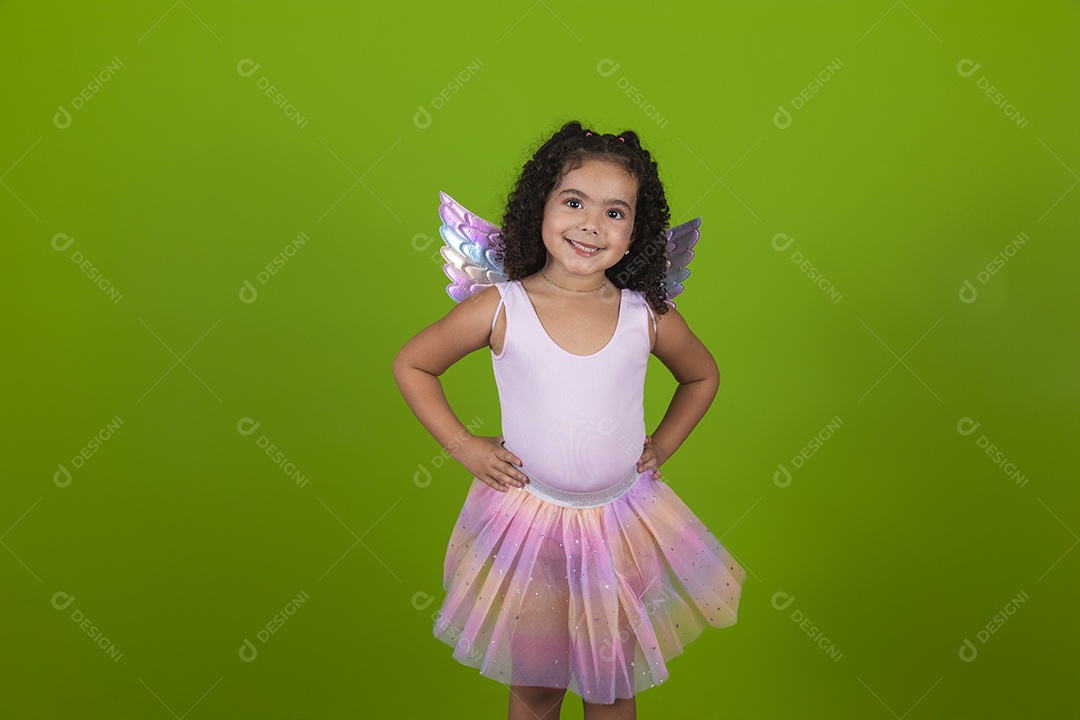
399 366
706 377
406 369
708 384
712 378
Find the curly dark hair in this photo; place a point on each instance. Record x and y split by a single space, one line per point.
521 247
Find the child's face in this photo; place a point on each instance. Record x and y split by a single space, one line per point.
593 205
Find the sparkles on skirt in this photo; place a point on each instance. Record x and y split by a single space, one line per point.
592 592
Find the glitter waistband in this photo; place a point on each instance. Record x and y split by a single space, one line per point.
593 498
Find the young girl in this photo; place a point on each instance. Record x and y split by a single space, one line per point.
571 566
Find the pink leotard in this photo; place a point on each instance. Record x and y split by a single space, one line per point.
577 422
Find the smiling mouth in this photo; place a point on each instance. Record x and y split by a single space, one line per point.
584 248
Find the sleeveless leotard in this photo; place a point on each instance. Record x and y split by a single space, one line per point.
577 422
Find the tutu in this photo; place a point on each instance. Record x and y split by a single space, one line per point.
580 591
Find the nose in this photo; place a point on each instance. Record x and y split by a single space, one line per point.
590 224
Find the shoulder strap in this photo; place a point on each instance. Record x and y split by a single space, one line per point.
502 298
651 313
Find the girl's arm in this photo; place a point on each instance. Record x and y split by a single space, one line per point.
466 328
699 378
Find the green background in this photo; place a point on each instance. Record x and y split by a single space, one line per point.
179 179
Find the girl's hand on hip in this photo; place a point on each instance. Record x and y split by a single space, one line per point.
491 463
651 457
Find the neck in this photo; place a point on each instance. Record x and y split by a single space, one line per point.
558 274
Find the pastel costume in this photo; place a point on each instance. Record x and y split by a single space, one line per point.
593 576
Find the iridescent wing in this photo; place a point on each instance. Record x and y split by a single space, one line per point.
469 250
679 251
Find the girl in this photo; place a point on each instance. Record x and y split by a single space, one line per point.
571 566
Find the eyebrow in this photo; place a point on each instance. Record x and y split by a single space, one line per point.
610 201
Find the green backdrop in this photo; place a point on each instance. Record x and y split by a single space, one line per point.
221 224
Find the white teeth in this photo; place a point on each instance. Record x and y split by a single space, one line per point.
579 246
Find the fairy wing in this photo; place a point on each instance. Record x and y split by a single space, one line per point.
469 250
679 251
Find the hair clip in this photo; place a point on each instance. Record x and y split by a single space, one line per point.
589 133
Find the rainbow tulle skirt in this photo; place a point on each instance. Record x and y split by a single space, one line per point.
592 592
